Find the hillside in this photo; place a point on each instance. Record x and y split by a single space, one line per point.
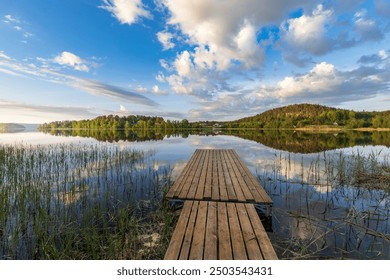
308 115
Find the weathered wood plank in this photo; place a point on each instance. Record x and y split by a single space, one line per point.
196 180
221 178
251 244
197 247
211 238
180 182
177 237
255 187
190 178
209 177
266 247
238 245
215 182
189 232
228 181
235 177
224 242
202 180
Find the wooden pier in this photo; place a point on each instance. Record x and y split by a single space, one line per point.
219 219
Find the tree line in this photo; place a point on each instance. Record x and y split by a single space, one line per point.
288 117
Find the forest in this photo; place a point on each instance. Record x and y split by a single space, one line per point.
287 117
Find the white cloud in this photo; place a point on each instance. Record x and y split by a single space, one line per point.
323 84
157 91
3 55
122 108
126 11
141 89
72 60
46 73
222 40
323 77
183 64
10 18
308 32
383 54
165 39
366 28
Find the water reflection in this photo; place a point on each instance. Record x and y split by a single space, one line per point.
285 140
320 210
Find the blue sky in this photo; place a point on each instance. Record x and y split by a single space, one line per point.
193 59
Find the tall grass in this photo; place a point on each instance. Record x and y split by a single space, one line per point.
330 205
79 202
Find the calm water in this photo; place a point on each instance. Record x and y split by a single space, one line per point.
315 214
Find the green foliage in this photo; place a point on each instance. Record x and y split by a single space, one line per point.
115 123
303 115
288 117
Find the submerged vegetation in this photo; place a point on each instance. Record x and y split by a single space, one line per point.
81 202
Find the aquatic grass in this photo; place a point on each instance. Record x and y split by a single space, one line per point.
330 205
76 201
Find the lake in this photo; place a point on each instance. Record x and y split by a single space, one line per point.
330 190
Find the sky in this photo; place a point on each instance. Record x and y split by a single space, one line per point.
193 59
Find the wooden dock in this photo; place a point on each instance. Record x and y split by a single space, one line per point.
218 175
219 219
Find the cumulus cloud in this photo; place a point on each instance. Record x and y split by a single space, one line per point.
308 32
165 39
323 84
122 108
72 60
366 28
156 90
381 56
126 11
223 39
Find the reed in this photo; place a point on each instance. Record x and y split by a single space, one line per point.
330 205
78 202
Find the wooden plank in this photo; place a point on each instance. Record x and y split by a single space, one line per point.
215 182
221 178
177 187
238 245
202 180
196 180
243 182
266 247
209 178
251 244
191 177
211 239
224 242
175 244
197 247
259 193
235 177
187 241
228 181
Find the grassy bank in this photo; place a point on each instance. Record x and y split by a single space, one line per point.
81 202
